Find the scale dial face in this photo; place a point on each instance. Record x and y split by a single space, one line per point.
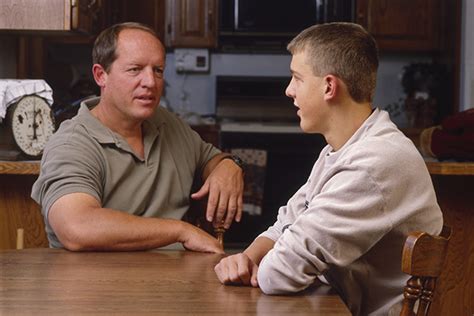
32 124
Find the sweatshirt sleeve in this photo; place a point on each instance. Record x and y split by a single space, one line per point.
340 224
287 214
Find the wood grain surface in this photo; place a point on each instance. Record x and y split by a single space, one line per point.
35 15
58 282
20 167
18 210
450 168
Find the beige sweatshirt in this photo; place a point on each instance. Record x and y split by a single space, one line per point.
349 221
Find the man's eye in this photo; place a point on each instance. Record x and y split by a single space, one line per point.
159 72
133 70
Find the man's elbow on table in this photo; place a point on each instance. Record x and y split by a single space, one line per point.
73 237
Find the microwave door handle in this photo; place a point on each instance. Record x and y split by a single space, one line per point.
236 14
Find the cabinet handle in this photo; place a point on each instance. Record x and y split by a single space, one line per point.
211 20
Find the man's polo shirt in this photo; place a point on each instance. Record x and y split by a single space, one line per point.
84 156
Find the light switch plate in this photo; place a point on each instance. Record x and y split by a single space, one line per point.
191 60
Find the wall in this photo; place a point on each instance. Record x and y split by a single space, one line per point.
196 92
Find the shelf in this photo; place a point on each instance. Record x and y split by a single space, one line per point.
450 168
20 167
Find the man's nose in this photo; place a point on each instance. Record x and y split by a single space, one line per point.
148 78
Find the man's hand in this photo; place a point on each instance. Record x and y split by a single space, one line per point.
195 239
225 187
237 269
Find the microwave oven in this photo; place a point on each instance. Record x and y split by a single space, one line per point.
280 17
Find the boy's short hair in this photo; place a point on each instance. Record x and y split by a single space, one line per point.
343 49
105 45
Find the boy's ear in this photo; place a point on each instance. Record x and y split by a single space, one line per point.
331 87
100 75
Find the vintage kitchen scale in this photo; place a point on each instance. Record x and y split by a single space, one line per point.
27 127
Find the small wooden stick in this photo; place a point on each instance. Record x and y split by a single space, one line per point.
20 241
219 231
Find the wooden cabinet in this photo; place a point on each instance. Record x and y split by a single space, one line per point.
453 182
402 25
50 15
17 209
148 12
191 23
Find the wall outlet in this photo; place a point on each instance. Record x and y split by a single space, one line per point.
191 60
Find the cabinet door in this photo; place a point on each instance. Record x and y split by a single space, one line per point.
148 12
402 25
191 23
50 15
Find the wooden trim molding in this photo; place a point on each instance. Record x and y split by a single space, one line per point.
451 168
20 167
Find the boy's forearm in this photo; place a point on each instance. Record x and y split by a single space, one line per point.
259 248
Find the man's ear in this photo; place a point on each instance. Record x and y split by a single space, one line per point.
100 75
331 87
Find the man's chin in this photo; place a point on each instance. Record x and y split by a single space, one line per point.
144 113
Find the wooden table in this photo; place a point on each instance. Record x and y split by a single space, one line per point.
46 281
454 185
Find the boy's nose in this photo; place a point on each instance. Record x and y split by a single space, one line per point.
289 91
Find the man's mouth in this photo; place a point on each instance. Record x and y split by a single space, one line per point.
146 98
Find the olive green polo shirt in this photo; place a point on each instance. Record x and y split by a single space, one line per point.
85 156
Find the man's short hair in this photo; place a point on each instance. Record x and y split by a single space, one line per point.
105 45
343 49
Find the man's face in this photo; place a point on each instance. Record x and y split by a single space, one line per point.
134 83
307 92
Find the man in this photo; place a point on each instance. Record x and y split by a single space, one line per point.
368 189
118 176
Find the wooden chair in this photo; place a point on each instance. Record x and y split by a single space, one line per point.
422 257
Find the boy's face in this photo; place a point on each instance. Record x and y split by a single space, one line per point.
307 92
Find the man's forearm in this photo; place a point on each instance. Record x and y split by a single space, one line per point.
259 248
80 223
116 231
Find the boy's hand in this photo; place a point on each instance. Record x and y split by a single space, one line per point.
237 269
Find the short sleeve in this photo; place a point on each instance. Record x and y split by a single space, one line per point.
69 165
